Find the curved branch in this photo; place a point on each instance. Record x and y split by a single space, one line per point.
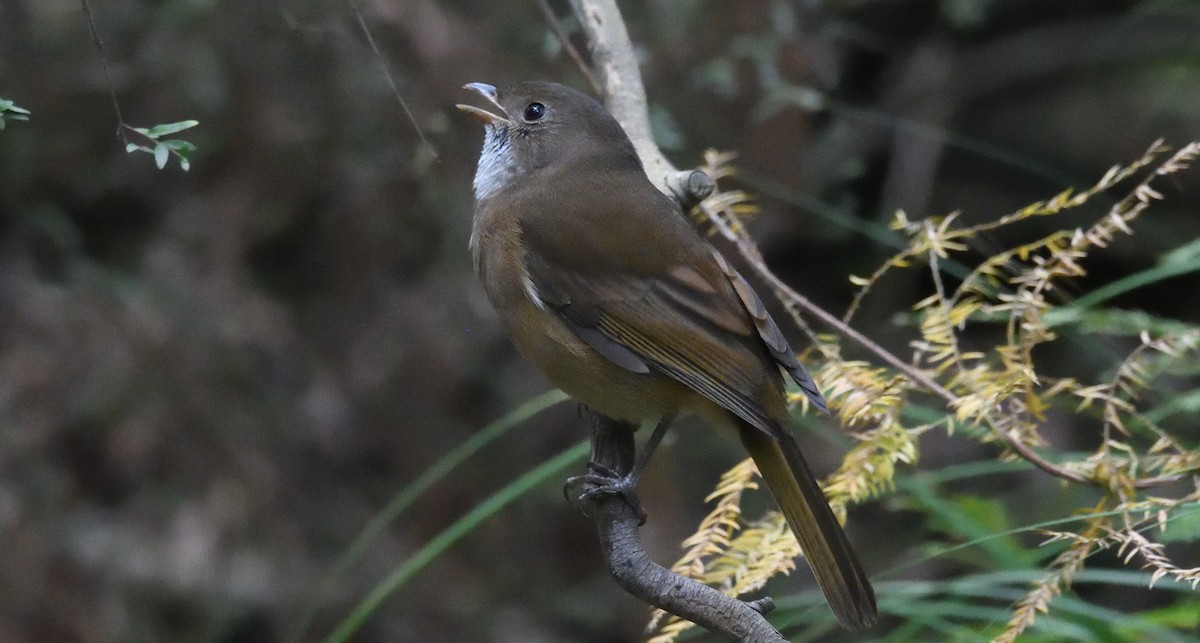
617 523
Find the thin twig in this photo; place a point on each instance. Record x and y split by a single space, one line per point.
565 41
387 72
112 92
789 295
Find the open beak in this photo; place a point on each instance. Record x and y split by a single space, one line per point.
488 118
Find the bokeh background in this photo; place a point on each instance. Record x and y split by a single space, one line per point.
211 381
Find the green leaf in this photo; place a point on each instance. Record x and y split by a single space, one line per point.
185 164
180 146
1180 261
132 147
9 111
1184 615
161 154
465 524
1183 527
1185 254
436 472
13 112
169 128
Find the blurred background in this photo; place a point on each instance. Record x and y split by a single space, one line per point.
211 381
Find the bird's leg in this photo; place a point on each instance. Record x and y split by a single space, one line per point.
604 480
656 437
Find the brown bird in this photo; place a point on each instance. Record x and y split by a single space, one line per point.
604 285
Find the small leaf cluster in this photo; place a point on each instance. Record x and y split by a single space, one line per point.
162 150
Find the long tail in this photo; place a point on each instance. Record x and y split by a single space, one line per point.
833 563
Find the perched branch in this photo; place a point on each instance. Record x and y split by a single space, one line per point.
617 522
614 60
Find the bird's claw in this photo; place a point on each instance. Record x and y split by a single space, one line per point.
601 481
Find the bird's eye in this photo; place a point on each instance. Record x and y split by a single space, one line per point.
535 112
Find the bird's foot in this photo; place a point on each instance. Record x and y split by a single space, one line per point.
601 481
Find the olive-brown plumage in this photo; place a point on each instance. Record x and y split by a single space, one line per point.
602 283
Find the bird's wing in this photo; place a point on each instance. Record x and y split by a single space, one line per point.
771 335
697 321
